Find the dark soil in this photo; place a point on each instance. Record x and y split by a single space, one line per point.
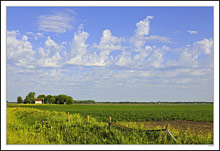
182 125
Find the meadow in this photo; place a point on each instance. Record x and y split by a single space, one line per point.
48 124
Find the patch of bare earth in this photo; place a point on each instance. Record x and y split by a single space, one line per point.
182 125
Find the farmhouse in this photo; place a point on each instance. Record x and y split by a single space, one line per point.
38 101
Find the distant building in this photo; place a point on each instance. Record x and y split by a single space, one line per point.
38 101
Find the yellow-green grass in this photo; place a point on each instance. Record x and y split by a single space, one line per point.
33 126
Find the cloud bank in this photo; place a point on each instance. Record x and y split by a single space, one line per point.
113 62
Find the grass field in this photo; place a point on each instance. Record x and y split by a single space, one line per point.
192 112
47 124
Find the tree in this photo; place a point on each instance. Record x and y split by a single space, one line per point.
42 97
53 99
48 99
56 100
60 99
26 100
30 98
19 99
69 100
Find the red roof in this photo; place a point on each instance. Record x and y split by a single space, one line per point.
38 100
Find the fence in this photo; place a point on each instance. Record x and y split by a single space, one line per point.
166 130
164 137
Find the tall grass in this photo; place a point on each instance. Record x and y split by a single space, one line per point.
33 126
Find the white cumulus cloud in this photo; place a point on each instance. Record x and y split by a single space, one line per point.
206 45
156 59
143 26
19 51
49 55
78 46
109 42
141 36
124 59
80 55
191 55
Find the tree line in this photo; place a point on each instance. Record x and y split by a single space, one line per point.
84 102
52 99
46 99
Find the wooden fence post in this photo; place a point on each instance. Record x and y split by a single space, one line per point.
87 119
166 131
110 121
172 136
68 116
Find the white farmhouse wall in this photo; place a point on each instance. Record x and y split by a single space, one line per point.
38 102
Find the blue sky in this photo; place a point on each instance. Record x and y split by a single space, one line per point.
111 53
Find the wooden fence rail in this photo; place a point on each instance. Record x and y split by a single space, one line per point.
124 127
164 136
117 125
172 136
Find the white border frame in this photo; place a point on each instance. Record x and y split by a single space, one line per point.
214 4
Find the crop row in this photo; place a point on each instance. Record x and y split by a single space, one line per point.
127 115
137 113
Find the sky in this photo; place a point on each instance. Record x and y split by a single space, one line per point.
111 53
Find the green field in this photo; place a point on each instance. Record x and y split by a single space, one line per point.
192 112
48 124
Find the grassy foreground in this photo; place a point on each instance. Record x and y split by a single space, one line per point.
33 126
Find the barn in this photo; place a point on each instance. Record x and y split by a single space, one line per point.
38 101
